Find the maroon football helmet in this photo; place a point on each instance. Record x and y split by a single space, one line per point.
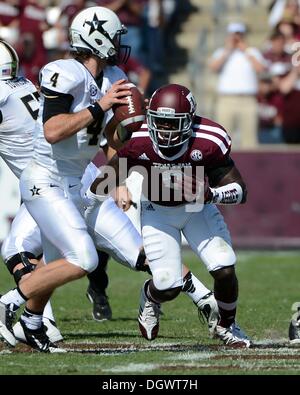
170 116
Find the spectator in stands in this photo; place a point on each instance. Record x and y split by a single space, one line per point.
31 47
276 49
70 10
269 110
130 13
290 30
237 65
153 35
278 9
9 23
289 86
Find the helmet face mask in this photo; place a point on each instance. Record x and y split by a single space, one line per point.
169 131
9 61
170 116
98 31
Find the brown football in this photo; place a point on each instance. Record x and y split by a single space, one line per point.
131 115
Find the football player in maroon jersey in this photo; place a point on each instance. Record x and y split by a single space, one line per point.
172 151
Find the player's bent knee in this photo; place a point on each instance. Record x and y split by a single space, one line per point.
218 254
165 279
85 256
170 294
6 250
224 274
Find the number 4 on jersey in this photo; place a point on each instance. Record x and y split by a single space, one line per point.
54 78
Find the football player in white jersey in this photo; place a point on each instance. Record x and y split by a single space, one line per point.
19 103
24 241
72 113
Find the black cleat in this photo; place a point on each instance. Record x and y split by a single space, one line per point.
36 339
101 308
7 317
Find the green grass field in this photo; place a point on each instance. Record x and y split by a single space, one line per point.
269 284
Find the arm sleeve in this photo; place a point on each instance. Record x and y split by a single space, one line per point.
216 173
55 103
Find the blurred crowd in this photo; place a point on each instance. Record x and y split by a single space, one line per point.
258 89
38 29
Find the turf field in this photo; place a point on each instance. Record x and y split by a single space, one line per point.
269 284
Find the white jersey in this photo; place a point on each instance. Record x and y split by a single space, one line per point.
19 103
70 157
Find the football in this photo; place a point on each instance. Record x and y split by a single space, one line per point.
131 115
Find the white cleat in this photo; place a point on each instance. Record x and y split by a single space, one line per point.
6 320
52 331
148 316
36 339
232 336
208 308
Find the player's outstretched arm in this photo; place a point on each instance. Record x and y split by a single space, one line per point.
230 187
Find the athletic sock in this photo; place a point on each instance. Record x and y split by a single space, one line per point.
32 320
13 298
193 287
227 313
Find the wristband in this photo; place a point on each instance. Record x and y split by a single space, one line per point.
96 111
228 194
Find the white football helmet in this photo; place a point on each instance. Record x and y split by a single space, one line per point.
9 61
98 30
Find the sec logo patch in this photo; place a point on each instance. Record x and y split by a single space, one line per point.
93 90
196 155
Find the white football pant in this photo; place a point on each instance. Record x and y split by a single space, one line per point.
56 206
205 232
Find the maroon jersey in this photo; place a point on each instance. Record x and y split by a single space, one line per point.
208 148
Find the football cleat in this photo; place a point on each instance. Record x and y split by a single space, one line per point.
101 308
36 339
7 317
208 310
148 316
52 331
294 328
232 336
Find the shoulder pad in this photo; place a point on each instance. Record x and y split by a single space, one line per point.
62 76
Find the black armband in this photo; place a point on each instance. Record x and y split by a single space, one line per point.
123 133
96 111
55 103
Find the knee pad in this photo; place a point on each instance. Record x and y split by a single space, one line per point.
86 258
164 278
23 258
170 294
224 274
218 254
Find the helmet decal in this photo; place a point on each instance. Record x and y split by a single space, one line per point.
95 25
